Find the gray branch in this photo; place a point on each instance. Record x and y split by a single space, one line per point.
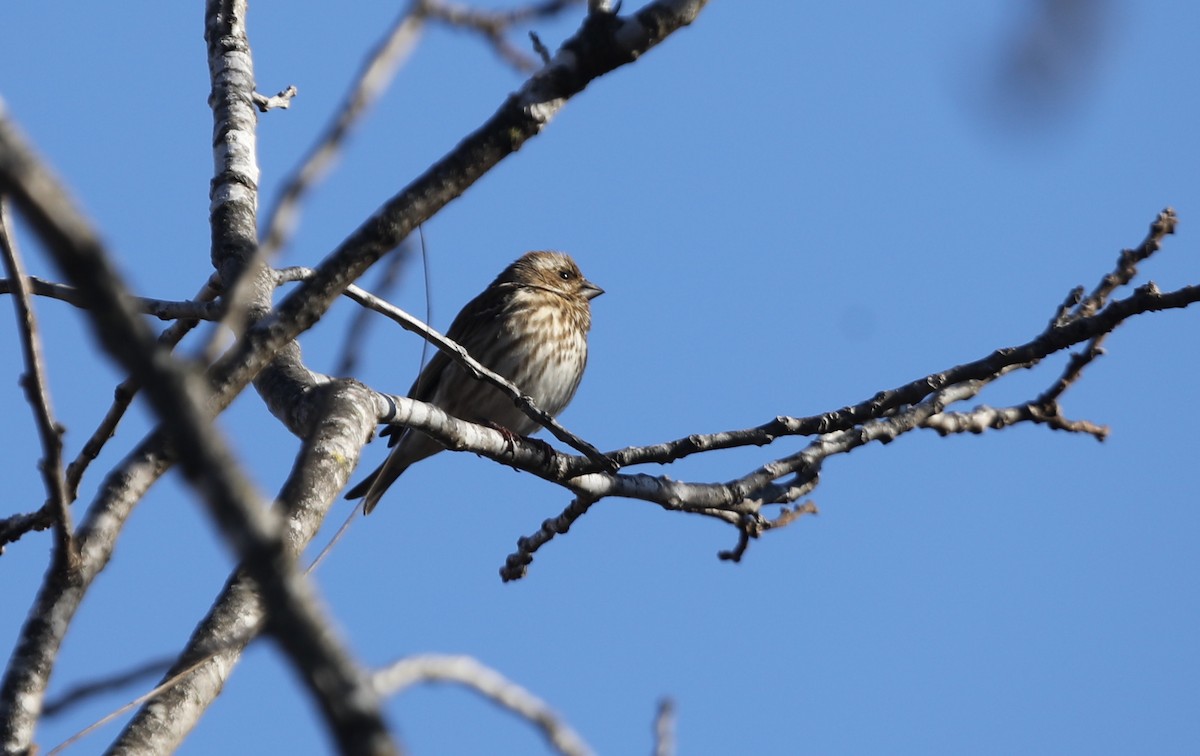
50 433
487 682
163 309
322 468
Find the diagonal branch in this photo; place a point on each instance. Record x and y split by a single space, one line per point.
373 79
321 469
125 392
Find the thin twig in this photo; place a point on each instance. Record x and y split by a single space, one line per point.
539 47
983 417
38 393
516 566
164 685
1074 369
282 100
84 691
12 528
1127 262
163 309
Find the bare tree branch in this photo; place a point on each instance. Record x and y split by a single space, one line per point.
29 667
351 711
373 79
322 468
163 309
282 100
12 528
123 396
268 592
596 49
38 393
1064 331
112 715
890 414
469 672
83 691
1126 267
356 332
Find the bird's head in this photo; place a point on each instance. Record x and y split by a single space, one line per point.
551 271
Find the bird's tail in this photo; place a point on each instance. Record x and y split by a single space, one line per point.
364 485
371 488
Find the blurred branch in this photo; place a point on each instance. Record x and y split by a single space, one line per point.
664 728
125 392
469 672
107 684
29 668
373 78
494 26
323 466
12 528
180 400
356 332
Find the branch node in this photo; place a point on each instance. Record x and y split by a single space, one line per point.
539 48
281 100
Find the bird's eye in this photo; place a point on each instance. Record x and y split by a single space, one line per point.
566 275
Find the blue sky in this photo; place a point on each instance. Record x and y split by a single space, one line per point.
790 209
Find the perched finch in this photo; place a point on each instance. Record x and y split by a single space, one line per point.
530 326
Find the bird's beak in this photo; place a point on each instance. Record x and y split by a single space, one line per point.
590 290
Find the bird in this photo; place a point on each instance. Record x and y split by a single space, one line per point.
529 325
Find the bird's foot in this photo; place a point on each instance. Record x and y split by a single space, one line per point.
510 438
546 449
